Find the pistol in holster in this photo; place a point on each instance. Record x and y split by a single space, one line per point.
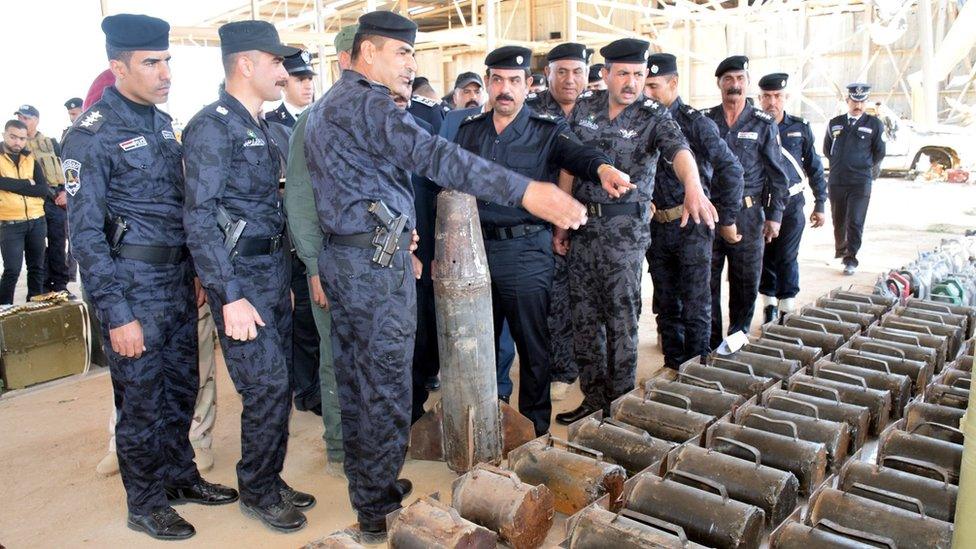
232 231
115 229
386 239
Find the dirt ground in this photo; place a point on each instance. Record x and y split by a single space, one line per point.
52 436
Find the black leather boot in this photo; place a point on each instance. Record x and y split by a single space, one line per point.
203 492
281 516
579 413
163 524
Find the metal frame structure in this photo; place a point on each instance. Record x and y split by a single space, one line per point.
922 48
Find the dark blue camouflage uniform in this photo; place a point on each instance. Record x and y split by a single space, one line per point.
232 161
680 259
563 360
519 244
606 254
361 148
115 165
780 271
755 141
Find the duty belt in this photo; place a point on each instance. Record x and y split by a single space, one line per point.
508 233
157 255
365 240
670 214
750 201
248 247
597 209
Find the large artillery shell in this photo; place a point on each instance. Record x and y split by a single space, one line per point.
713 402
877 402
881 379
814 338
498 500
839 327
868 356
954 334
938 497
676 423
806 460
908 529
596 528
707 517
630 447
574 480
430 524
835 436
862 319
858 297
825 535
857 418
772 490
942 454
793 349
738 382
957 378
967 313
938 344
918 412
764 364
964 363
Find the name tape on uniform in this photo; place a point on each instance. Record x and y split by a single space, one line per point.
748 135
134 143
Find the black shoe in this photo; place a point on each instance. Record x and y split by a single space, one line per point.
300 500
372 533
404 486
203 492
770 313
433 383
575 415
281 516
163 524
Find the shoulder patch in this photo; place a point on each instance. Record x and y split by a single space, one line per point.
221 110
532 96
651 105
91 121
474 117
584 95
424 100
71 169
761 114
705 110
543 116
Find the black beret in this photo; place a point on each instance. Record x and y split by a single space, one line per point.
773 82
299 64
252 35
388 24
734 63
509 57
538 78
130 32
661 64
626 50
858 91
418 82
73 103
595 75
569 50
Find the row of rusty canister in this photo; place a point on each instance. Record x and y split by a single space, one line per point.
904 495
722 451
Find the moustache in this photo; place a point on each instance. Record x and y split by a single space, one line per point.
504 96
628 89
471 103
734 91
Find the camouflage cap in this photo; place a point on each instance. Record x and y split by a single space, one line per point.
344 38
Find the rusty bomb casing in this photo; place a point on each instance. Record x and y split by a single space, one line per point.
793 349
734 377
430 524
862 319
764 364
876 401
825 535
879 378
919 372
705 397
630 447
675 423
918 412
596 528
938 497
940 453
834 435
857 418
839 327
813 338
831 304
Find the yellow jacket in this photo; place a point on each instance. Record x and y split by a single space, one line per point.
15 207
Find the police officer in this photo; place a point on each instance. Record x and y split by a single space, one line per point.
234 226
73 106
566 73
299 91
538 83
780 281
753 137
359 148
518 244
679 258
426 108
594 80
855 146
124 178
606 255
